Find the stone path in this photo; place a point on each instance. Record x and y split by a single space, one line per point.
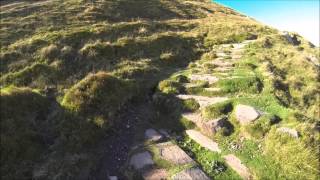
191 174
203 140
204 77
236 164
155 174
212 89
172 153
203 101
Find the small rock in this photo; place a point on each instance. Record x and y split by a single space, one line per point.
155 174
141 160
191 174
152 135
313 60
246 114
113 178
291 132
212 126
291 38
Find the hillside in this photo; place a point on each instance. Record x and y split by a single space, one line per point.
92 89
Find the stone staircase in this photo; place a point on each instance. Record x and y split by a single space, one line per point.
168 151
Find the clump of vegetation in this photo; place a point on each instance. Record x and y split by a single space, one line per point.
23 115
181 79
172 87
303 165
98 94
50 52
190 105
259 128
217 110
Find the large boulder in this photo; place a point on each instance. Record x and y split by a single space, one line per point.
246 114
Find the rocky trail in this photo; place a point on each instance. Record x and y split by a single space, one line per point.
158 145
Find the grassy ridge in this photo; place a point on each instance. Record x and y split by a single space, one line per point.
73 64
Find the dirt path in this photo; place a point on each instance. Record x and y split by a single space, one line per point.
117 146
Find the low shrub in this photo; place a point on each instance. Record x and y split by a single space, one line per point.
50 52
260 127
190 105
23 112
98 94
181 79
170 87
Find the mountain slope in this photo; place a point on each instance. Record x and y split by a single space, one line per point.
70 68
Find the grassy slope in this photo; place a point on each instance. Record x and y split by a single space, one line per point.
71 51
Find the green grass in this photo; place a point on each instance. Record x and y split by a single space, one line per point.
98 56
217 110
211 162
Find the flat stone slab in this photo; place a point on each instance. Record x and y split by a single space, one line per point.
152 135
223 69
155 174
222 54
203 140
222 63
246 114
212 89
191 174
236 165
203 100
193 117
292 132
173 153
204 77
141 160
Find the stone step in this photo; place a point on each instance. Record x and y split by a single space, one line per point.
173 153
141 160
236 164
193 117
223 69
204 77
203 140
194 173
212 89
222 63
155 174
203 101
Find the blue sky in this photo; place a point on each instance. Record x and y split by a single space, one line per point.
301 16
